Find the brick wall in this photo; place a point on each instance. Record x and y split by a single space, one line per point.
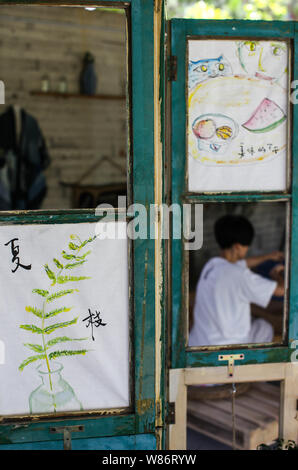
41 40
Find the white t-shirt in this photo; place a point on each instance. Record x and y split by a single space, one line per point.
222 305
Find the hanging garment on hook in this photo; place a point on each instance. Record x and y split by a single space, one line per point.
22 162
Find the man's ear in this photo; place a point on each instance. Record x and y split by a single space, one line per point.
236 247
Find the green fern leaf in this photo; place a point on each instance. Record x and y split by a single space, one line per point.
63 339
91 239
84 255
58 264
56 326
41 292
50 274
35 347
55 354
74 260
57 311
73 246
64 279
31 359
32 328
60 294
74 257
74 265
68 256
34 310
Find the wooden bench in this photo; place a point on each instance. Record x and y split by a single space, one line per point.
256 416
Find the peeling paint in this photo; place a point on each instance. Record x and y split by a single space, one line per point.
158 199
143 406
143 322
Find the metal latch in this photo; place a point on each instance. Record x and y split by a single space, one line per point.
231 358
66 431
171 415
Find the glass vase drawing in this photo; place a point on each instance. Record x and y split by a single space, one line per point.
54 394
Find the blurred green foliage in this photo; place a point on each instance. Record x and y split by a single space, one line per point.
234 9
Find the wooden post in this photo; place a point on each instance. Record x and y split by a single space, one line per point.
178 395
287 373
288 422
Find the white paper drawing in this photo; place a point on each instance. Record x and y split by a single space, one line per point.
65 321
237 115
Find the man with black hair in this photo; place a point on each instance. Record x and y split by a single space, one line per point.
227 287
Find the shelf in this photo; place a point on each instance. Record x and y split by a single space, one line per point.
56 94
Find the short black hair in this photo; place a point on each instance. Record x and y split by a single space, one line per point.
231 229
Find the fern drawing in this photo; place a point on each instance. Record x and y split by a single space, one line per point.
55 393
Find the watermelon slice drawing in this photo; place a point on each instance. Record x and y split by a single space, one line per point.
265 118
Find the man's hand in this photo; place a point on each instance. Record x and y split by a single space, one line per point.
277 273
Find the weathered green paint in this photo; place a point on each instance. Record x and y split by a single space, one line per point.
181 30
234 197
178 42
143 193
233 28
93 427
140 441
105 3
251 356
293 317
57 217
163 300
142 418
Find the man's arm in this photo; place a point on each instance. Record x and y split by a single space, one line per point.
279 291
277 273
254 261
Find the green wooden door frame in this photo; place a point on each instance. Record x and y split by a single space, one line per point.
180 29
141 418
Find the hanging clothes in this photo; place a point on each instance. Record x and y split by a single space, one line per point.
22 162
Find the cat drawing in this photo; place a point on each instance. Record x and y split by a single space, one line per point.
201 70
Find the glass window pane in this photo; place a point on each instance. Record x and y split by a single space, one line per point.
238 279
237 115
215 423
63 130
